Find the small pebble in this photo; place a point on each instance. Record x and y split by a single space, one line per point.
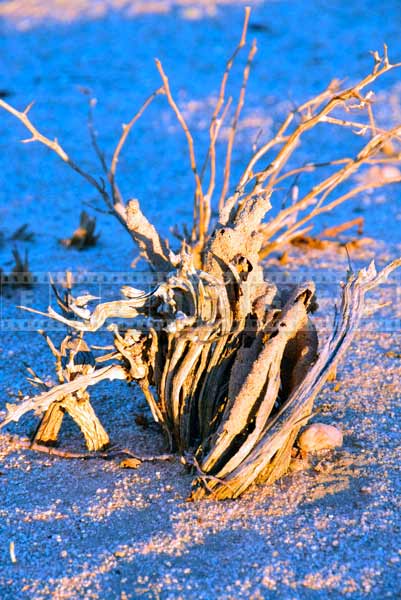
320 437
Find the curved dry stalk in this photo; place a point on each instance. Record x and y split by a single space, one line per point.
215 127
229 64
93 321
216 122
43 401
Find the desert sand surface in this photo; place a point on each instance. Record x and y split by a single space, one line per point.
88 528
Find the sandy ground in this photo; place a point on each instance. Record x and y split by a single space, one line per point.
89 529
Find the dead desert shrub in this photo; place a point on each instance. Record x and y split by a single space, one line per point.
229 364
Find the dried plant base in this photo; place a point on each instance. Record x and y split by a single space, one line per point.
81 411
96 437
50 425
269 458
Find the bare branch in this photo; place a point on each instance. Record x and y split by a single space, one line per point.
231 139
216 121
52 144
126 129
200 200
114 203
93 135
289 141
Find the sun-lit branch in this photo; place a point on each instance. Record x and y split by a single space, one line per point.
114 202
52 144
44 400
217 120
326 186
126 129
312 113
191 149
233 130
211 157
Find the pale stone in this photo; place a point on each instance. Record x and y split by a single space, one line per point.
320 436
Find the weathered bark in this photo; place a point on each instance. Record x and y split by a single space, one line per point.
81 411
50 425
148 240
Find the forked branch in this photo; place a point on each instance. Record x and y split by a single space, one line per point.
112 199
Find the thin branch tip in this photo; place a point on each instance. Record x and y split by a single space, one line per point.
28 108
